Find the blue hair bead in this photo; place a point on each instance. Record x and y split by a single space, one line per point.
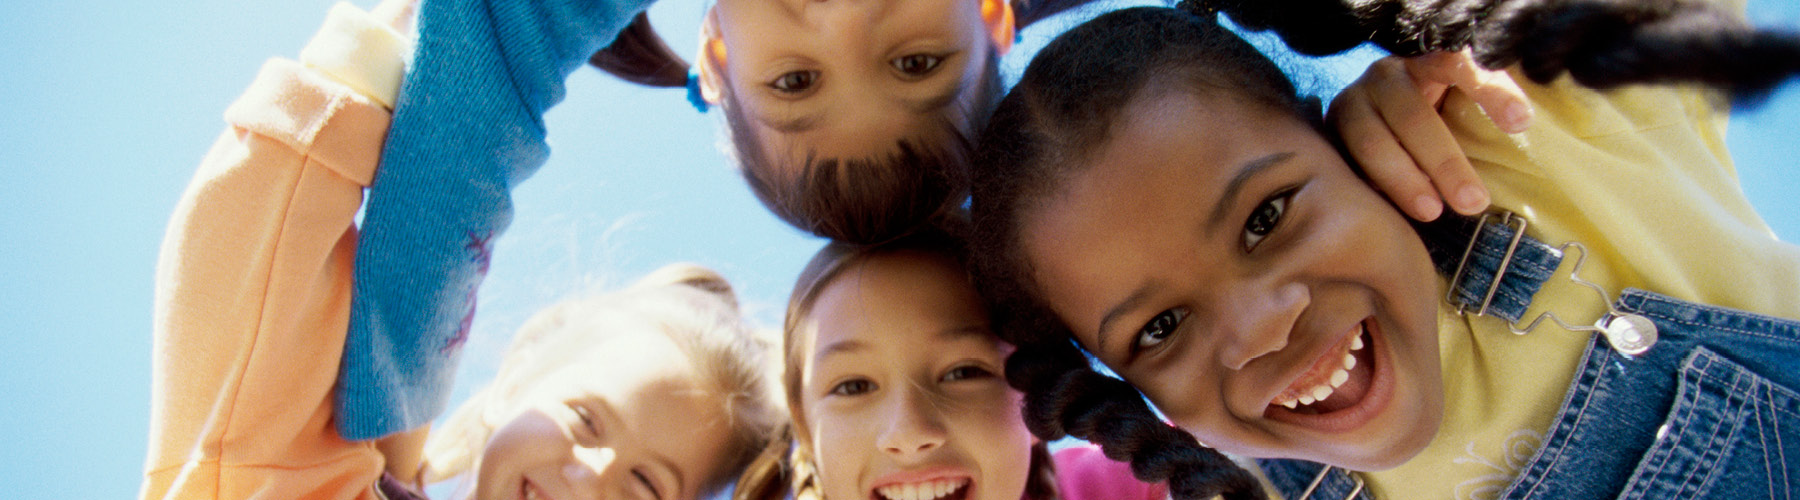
693 93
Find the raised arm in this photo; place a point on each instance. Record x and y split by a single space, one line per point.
253 281
467 130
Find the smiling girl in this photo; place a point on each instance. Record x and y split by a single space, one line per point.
658 391
1177 213
848 119
894 380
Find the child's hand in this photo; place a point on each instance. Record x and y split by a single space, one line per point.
1389 121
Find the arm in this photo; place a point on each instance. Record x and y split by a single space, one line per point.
467 129
252 290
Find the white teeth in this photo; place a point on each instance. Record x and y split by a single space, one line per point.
1337 379
928 490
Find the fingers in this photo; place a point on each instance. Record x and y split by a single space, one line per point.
1389 167
1494 90
1415 123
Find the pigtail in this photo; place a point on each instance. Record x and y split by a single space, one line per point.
767 475
640 56
1040 483
1604 45
1065 397
1600 44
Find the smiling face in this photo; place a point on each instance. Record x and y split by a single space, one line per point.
902 396
637 426
1225 260
849 79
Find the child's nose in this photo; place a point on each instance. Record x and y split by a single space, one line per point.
913 427
1262 322
588 471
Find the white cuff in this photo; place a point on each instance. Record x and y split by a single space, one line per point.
359 51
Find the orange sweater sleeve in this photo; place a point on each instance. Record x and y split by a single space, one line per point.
253 296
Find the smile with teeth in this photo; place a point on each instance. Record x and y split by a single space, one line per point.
1307 392
923 490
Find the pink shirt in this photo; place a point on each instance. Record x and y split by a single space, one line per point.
1083 473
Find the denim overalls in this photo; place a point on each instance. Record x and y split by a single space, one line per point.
1708 411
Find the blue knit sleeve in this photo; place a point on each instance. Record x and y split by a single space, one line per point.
468 128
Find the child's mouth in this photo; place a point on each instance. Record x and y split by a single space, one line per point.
1338 380
937 489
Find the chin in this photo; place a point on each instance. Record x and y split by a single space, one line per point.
1404 442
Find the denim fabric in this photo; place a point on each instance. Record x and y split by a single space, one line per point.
1710 412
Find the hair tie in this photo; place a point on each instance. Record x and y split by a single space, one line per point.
694 96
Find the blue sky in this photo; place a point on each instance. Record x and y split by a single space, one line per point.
111 104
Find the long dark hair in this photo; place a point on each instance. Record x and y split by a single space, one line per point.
1074 90
785 469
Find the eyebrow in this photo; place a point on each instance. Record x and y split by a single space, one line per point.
839 347
1131 302
933 102
793 125
945 335
1248 171
1233 187
680 480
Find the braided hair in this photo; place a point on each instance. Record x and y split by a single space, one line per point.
1599 43
1074 90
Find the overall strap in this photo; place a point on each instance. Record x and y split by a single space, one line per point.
1492 266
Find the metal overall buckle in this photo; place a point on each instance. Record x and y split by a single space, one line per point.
1627 333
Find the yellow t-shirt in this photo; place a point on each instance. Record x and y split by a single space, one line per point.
1640 176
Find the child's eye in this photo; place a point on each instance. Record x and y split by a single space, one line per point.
794 82
645 480
588 421
1160 327
1265 218
916 64
965 372
852 387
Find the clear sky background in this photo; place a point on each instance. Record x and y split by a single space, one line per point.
109 105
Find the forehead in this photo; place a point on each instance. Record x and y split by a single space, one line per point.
624 362
1134 208
901 304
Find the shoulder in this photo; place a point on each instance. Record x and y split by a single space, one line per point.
1083 473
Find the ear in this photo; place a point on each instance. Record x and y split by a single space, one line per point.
711 62
998 16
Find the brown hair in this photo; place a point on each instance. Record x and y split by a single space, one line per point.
860 200
792 462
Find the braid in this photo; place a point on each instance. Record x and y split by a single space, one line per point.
1600 43
640 56
1065 397
1605 45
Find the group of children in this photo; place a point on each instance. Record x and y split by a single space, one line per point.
1153 196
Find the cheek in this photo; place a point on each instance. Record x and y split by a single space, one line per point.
530 438
839 443
995 435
